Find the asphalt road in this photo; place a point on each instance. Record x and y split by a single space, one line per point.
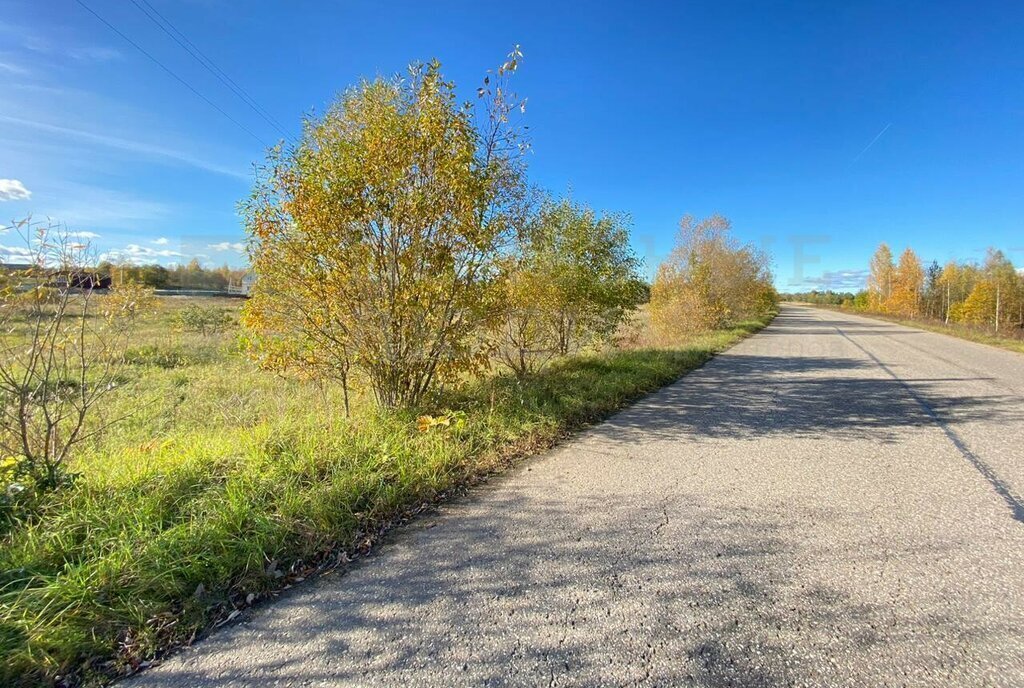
833 502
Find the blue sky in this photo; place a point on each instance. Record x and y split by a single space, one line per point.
819 128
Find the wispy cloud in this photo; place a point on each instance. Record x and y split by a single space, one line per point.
838 280
873 142
137 147
94 53
60 43
161 241
13 190
12 68
237 247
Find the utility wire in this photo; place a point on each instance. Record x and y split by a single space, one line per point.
192 49
168 70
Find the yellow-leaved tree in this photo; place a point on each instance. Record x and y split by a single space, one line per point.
880 279
569 282
708 281
375 239
907 286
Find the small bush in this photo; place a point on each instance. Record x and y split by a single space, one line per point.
206 321
166 357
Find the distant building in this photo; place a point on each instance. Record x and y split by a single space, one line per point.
79 279
244 286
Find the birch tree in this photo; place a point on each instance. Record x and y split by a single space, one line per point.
880 278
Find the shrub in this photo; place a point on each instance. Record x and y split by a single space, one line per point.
375 239
206 320
709 281
60 354
571 283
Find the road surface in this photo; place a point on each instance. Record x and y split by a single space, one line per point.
835 501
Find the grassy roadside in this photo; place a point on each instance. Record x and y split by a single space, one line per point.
175 535
953 330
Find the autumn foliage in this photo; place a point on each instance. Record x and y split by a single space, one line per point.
377 237
710 280
570 281
989 295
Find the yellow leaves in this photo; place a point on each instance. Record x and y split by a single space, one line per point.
979 306
893 288
708 280
128 301
371 250
449 420
9 468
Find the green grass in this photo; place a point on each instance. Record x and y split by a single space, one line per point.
972 334
227 483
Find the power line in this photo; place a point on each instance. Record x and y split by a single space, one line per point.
168 70
192 49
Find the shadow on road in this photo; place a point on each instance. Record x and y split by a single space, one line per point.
747 397
599 591
519 586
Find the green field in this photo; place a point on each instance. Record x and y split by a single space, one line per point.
226 483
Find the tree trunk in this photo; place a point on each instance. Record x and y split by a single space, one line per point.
996 330
947 303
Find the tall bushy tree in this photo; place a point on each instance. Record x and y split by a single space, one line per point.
907 286
570 282
375 238
709 280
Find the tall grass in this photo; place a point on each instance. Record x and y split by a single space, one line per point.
189 512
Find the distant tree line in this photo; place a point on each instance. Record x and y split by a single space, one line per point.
821 298
987 295
191 275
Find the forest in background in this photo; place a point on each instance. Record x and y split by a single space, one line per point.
987 297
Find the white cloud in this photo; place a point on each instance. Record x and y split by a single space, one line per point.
85 235
13 190
14 254
237 247
162 241
134 253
